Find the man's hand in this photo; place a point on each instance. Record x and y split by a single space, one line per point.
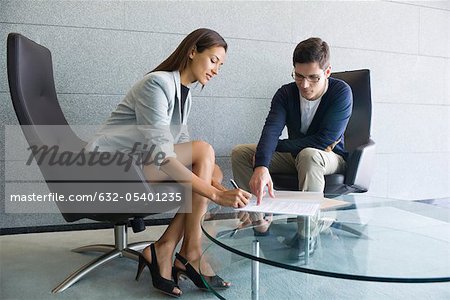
331 147
260 179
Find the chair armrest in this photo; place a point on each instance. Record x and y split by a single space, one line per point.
360 166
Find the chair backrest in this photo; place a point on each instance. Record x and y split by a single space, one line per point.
33 94
358 128
32 88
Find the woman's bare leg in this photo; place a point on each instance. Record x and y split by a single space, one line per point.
201 156
203 167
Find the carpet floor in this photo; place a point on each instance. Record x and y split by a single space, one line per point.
32 264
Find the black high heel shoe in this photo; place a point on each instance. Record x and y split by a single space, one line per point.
216 282
160 283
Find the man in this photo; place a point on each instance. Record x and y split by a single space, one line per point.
316 109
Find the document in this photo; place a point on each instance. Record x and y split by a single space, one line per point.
287 202
333 204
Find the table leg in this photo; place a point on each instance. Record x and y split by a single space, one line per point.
255 271
307 237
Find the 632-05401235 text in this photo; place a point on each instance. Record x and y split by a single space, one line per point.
102 197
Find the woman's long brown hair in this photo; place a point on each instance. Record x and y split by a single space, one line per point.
199 39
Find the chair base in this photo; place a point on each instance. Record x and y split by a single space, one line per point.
121 248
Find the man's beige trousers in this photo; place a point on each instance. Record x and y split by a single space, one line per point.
311 165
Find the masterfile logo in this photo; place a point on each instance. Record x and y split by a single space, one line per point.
52 155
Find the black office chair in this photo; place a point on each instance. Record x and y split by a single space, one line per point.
31 83
360 162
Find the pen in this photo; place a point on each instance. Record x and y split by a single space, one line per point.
234 184
234 231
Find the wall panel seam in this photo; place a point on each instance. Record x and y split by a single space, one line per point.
413 104
226 37
139 31
417 5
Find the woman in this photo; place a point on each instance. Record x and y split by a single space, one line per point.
157 108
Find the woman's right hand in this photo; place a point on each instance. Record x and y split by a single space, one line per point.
236 198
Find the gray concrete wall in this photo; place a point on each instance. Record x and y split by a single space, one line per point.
100 48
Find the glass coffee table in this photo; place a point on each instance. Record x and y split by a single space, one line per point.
372 239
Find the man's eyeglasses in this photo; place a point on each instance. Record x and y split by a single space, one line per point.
309 78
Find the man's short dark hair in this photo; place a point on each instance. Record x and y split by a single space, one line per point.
312 50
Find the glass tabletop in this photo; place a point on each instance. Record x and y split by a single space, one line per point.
370 239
